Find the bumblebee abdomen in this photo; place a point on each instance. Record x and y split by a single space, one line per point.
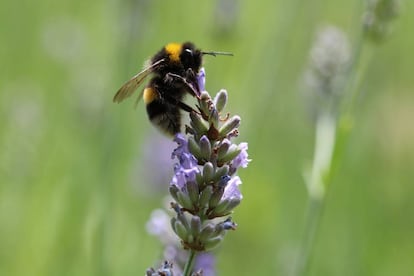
165 116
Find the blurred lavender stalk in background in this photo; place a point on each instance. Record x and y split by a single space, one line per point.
324 80
332 81
153 167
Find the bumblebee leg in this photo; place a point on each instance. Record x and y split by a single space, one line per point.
192 90
180 104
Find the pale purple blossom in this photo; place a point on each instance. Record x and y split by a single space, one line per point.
187 168
206 262
159 225
232 190
201 79
241 159
181 140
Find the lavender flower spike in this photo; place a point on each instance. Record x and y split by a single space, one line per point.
205 186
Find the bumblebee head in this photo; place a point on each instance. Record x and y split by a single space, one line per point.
190 57
183 56
180 56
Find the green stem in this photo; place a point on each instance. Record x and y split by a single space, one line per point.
189 265
313 217
318 182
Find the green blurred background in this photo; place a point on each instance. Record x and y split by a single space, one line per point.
72 198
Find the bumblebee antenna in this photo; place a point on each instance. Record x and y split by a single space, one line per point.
214 53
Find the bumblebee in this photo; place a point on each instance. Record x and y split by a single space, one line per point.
174 72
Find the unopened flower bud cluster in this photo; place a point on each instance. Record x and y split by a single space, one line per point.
205 186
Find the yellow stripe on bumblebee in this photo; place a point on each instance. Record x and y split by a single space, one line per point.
174 51
149 95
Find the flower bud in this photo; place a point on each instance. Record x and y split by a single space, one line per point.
195 226
174 192
223 181
197 123
204 102
207 232
205 196
229 126
220 100
184 200
205 147
179 229
215 198
221 207
200 180
213 119
225 207
192 189
190 238
213 242
232 152
194 148
180 215
208 172
223 148
234 202
227 224
220 172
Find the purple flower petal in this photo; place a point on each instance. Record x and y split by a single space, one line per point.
201 79
187 168
241 160
232 189
207 263
180 139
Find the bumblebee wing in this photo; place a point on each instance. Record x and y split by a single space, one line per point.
130 86
138 98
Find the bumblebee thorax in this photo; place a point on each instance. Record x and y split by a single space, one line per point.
173 51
